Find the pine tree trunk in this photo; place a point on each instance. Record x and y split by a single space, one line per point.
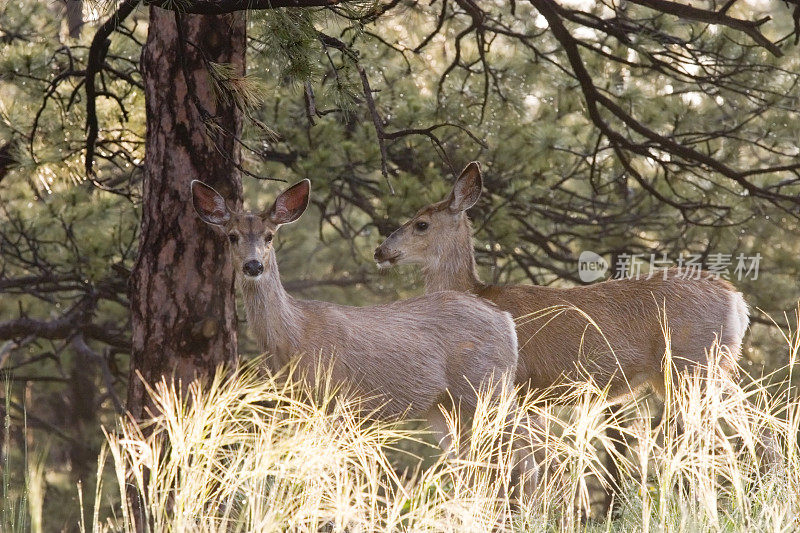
181 292
74 15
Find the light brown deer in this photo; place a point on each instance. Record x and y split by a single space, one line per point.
623 349
406 358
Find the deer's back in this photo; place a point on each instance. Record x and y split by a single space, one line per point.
615 329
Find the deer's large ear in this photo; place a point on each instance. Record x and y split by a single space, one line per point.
291 203
467 189
209 204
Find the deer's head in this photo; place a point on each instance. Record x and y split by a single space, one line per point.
250 234
435 228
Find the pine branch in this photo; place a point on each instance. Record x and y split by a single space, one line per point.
221 7
596 99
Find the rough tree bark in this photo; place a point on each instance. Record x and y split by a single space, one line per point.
181 290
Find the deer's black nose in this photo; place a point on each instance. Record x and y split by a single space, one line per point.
253 268
378 255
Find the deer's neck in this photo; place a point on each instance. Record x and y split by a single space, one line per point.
272 314
454 266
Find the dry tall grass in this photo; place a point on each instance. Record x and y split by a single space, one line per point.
256 453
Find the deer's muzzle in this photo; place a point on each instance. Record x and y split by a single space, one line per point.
384 257
253 268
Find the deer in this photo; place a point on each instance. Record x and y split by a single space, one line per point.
412 358
611 332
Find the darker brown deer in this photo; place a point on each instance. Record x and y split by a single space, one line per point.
610 332
405 359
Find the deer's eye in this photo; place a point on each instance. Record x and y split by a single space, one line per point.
421 225
268 238
234 238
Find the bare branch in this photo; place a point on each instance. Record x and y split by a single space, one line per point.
97 54
79 343
689 12
378 123
59 328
